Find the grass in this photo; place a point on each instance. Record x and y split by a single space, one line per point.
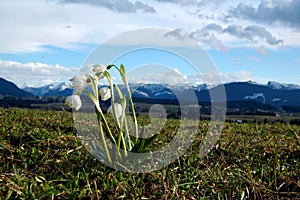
41 158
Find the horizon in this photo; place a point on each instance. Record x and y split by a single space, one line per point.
254 41
168 84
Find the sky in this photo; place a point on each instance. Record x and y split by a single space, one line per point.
47 41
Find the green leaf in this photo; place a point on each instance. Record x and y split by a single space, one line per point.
137 145
143 143
149 141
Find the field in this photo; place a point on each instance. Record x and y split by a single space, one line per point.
41 158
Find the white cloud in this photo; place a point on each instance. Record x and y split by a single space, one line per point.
253 33
200 35
63 23
162 74
181 2
285 12
216 43
231 77
115 5
218 78
212 35
35 74
157 74
192 2
40 23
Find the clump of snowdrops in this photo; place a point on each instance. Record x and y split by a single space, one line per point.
88 84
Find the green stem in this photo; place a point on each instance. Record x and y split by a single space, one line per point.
127 134
102 117
123 103
112 97
95 99
107 75
123 75
132 110
103 137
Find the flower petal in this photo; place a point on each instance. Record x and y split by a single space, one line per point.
99 69
79 84
105 93
118 110
74 101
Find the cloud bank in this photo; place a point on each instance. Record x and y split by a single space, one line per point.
35 74
211 34
217 24
215 78
285 12
251 33
192 2
123 6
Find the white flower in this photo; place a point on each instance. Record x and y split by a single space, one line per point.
74 101
79 84
118 110
105 93
91 78
99 69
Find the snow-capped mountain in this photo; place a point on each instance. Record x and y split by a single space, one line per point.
54 89
273 93
262 93
282 86
8 88
153 91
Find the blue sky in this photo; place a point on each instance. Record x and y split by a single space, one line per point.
46 41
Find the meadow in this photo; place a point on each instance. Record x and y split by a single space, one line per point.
41 158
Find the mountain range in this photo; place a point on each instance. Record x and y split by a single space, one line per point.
272 93
54 89
8 88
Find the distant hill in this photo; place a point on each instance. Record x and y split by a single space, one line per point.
273 93
267 94
8 88
241 97
54 89
282 86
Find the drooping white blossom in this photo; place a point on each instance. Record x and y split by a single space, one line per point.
118 110
99 69
79 83
105 93
74 101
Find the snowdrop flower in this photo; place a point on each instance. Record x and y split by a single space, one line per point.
74 101
92 78
105 93
79 83
118 110
99 69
